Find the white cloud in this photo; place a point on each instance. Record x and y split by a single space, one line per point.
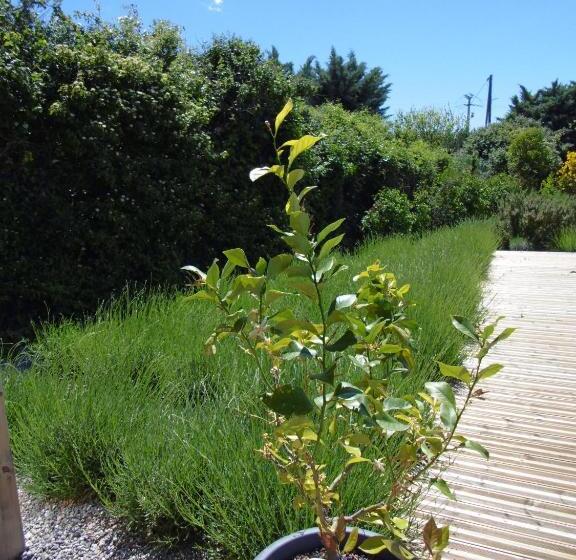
216 5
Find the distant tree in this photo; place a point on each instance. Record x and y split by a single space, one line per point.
348 82
439 127
553 106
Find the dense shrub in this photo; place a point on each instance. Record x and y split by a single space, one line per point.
122 157
488 146
390 213
566 179
536 217
565 240
453 196
530 157
438 127
357 157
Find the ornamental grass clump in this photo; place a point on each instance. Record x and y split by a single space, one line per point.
327 374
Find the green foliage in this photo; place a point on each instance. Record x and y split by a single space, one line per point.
356 158
348 82
391 213
488 146
330 410
127 404
530 157
553 106
566 240
118 141
438 127
538 218
454 196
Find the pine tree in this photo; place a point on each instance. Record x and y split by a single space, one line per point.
554 107
349 82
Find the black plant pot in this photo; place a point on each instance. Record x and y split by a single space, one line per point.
307 541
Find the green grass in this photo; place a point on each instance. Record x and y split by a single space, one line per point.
566 240
126 407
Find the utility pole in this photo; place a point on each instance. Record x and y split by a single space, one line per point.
469 98
489 102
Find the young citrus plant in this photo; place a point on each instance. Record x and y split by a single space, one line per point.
348 348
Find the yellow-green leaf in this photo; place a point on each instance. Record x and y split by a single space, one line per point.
300 146
283 114
374 545
489 371
351 542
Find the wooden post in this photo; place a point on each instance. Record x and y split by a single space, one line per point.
11 532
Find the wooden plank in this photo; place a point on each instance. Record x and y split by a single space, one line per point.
522 503
11 532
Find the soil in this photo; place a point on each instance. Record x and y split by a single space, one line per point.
321 554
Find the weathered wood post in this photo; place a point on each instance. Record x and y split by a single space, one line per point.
11 532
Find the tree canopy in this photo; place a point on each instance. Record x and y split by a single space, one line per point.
554 106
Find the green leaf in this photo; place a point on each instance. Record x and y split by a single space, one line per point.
390 424
489 371
300 146
305 191
442 486
374 545
352 541
237 257
326 376
278 264
329 229
441 391
260 267
347 391
465 327
306 287
457 372
298 242
300 222
503 335
283 114
474 446
213 275
228 269
448 416
345 341
392 403
329 245
288 401
293 177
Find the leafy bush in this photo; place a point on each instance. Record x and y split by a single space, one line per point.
390 213
121 142
520 244
356 158
488 146
126 404
438 127
536 217
566 240
454 196
566 179
530 157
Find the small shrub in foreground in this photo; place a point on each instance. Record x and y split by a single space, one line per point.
339 405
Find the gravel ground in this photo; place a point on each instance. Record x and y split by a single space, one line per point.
57 531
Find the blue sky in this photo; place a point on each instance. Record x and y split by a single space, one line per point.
435 51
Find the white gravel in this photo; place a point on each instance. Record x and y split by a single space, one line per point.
59 531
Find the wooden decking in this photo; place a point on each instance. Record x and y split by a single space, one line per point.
521 504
